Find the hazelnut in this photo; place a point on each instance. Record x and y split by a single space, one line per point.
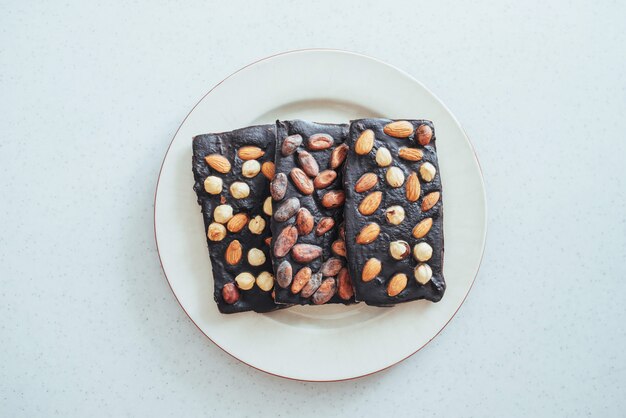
422 251
213 185
256 257
250 168
399 249
395 215
423 273
223 213
265 281
244 281
216 232
256 225
428 171
267 206
383 157
239 190
395 177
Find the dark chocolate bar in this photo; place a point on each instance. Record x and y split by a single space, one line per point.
308 251
232 171
393 211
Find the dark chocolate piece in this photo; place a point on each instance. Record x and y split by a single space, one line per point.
308 251
231 170
393 205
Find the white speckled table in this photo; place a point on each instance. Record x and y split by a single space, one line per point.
92 93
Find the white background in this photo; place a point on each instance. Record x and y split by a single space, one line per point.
91 95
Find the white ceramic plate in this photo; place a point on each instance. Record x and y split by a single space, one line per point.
324 86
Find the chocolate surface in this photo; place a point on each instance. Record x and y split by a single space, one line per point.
228 145
406 135
308 213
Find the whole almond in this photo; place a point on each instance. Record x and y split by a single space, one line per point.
325 292
370 203
333 199
331 267
319 142
364 142
312 285
338 156
230 294
399 129
324 179
371 269
413 188
308 163
366 182
268 169
339 247
284 274
410 154
397 284
422 228
285 241
301 181
304 222
218 163
278 186
424 134
250 153
345 290
368 234
305 253
287 209
324 225
427 171
233 253
430 200
300 280
290 144
237 222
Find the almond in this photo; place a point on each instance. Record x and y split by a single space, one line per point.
324 225
325 292
312 285
308 163
290 144
319 142
371 269
287 209
424 134
324 179
338 156
410 154
301 181
333 199
233 253
285 241
300 280
250 153
345 290
284 274
305 253
397 284
413 188
370 203
339 247
237 222
422 228
218 163
268 169
366 182
230 294
304 222
368 234
331 267
399 129
365 142
278 186
430 200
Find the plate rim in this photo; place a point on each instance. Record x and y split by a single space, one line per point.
342 51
